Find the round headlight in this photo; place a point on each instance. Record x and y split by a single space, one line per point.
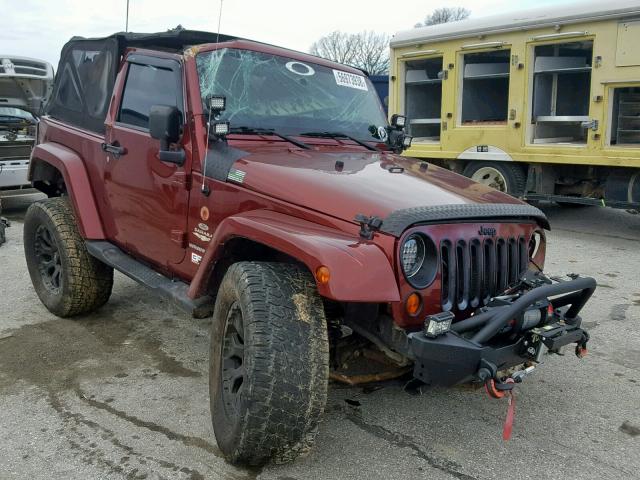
419 260
412 255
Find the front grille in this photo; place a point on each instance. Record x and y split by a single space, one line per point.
473 271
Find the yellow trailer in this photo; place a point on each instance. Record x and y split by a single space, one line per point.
542 104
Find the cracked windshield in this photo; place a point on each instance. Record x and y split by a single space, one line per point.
271 92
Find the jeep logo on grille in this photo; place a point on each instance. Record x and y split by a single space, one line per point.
487 231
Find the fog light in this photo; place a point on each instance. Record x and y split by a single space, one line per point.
217 103
398 121
438 324
220 129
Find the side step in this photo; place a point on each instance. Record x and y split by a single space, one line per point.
173 290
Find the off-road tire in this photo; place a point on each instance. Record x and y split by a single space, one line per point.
285 357
514 175
84 283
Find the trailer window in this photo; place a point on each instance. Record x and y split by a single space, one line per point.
485 88
423 98
561 86
625 116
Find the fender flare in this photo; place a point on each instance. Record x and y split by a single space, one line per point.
76 179
360 271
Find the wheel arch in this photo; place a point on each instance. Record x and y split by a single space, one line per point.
360 272
57 170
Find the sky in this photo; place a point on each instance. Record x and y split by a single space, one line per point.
39 28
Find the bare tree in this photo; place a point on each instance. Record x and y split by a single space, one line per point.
366 50
445 15
337 46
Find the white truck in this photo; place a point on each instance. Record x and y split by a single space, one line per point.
25 86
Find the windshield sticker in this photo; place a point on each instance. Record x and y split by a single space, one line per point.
350 80
300 68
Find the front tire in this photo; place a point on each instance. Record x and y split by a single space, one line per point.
269 363
66 278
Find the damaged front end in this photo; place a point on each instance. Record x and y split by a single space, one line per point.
538 316
475 302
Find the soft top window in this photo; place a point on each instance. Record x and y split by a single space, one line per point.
84 83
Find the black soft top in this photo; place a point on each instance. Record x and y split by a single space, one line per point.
88 68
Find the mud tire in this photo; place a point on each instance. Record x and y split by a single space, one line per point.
286 363
84 283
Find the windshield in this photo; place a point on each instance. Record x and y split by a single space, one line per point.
17 113
267 91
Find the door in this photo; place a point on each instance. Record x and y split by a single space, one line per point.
148 198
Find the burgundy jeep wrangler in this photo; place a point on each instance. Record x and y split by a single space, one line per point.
265 187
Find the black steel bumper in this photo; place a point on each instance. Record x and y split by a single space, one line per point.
481 341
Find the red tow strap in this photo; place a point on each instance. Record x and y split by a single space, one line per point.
493 392
511 413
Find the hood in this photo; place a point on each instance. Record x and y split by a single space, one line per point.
25 83
346 184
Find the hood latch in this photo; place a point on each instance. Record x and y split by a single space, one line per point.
368 225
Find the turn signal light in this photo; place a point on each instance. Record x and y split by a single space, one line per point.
413 304
323 275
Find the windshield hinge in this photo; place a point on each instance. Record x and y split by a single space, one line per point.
368 225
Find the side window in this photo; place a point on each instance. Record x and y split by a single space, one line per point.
561 86
147 86
625 118
423 98
485 88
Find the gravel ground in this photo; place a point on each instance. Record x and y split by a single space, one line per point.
123 393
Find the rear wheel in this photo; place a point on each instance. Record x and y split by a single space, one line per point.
66 278
503 176
269 363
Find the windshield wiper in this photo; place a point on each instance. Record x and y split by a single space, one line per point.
269 131
340 135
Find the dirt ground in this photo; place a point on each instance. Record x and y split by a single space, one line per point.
122 393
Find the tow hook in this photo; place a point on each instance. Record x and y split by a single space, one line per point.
581 347
498 389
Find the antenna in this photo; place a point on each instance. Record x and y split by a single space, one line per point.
126 25
204 188
219 20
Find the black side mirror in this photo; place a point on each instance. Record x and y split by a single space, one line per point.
164 124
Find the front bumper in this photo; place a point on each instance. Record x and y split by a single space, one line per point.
484 340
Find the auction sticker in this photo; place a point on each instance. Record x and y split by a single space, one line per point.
351 80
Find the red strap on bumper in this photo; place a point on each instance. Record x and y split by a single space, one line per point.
511 413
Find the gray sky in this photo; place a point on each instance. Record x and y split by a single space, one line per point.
39 28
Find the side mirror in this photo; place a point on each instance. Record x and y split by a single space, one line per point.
164 125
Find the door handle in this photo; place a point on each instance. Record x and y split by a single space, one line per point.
114 148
